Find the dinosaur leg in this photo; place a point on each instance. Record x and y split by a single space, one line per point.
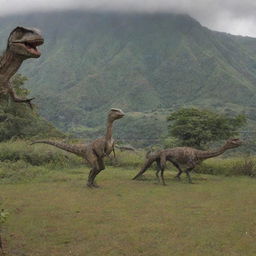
89 183
158 169
90 177
17 99
101 166
188 175
163 166
146 165
162 175
92 159
179 169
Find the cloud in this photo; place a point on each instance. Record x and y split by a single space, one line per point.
233 16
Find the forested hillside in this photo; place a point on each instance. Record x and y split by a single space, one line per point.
146 64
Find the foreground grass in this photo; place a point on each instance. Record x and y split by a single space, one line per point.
56 214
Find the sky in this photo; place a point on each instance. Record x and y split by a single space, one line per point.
237 17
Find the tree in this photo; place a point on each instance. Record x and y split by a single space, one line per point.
197 128
18 120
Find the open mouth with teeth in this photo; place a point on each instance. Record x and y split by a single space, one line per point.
31 46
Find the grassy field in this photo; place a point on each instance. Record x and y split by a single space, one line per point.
56 215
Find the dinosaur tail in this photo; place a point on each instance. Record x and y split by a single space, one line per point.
67 147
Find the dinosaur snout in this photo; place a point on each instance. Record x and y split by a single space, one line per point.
122 113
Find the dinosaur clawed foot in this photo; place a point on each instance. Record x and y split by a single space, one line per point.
28 101
92 185
89 185
95 185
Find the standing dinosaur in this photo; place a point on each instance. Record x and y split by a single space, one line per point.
22 44
187 156
95 151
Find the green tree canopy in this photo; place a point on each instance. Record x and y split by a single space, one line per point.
17 120
195 127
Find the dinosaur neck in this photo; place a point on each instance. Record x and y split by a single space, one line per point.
108 135
211 153
9 64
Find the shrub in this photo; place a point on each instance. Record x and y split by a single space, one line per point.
36 155
127 159
19 161
245 165
3 216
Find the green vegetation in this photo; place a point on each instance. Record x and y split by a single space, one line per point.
21 162
148 65
58 215
18 120
142 62
232 166
19 150
198 128
52 212
3 216
137 62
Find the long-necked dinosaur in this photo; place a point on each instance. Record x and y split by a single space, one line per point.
187 156
21 45
95 151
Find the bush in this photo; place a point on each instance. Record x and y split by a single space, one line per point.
3 216
127 159
19 161
22 162
40 154
245 165
198 127
37 155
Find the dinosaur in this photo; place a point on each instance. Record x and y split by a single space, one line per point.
187 156
22 44
95 151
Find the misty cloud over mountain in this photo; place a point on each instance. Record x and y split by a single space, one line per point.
232 16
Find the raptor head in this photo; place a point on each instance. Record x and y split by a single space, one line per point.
24 41
115 114
233 143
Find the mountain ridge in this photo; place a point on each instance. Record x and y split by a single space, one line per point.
149 63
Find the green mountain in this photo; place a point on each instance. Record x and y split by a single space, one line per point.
146 64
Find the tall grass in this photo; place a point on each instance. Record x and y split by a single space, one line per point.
243 165
41 154
20 161
127 159
36 155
